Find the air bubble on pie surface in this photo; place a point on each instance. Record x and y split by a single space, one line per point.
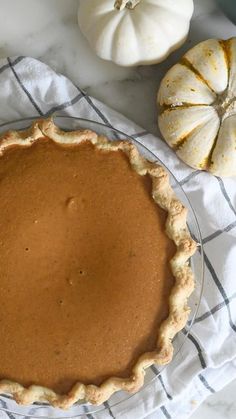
183 86
72 204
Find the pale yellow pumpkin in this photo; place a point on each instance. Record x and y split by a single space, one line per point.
198 107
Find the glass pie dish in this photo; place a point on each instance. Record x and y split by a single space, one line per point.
40 410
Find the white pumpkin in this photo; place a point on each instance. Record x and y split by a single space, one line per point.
198 107
134 32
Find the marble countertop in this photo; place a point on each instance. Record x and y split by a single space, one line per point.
48 30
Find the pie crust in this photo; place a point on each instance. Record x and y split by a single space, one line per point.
176 229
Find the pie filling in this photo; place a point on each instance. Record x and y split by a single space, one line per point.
84 273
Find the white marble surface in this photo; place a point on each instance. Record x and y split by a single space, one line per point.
221 405
48 30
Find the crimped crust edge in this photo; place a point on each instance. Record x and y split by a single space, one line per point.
176 229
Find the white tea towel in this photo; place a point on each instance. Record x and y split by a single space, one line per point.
207 361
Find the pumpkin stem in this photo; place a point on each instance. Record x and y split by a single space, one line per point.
129 4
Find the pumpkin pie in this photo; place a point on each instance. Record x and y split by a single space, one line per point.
94 274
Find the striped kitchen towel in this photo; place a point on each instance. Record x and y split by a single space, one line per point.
207 361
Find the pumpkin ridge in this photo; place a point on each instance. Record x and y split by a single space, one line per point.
119 30
184 105
209 160
227 53
184 61
184 138
206 164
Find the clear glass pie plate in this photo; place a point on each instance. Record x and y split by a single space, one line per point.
43 410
